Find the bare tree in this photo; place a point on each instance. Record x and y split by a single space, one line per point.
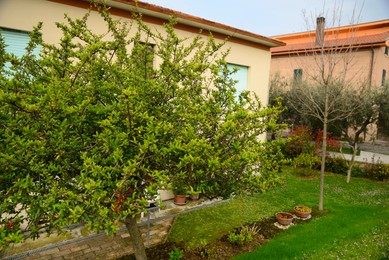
329 79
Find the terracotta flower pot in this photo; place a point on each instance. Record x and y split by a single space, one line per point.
194 196
284 218
302 211
180 199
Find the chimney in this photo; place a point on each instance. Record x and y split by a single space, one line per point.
320 30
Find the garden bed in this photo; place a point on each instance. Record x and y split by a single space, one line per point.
222 248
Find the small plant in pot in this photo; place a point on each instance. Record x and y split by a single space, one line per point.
194 193
179 191
284 218
302 211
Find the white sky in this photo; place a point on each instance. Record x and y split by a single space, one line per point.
275 17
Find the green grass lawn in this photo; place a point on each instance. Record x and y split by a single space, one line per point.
357 226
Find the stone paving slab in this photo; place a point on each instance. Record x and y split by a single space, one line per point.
100 246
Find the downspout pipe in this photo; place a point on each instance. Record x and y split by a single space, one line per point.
371 66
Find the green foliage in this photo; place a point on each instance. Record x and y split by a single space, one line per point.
236 238
374 170
90 131
356 210
243 234
176 254
306 160
383 103
303 208
377 171
179 189
358 171
336 165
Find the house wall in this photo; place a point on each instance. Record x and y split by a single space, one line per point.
30 12
358 71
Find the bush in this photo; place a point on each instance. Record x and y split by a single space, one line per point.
374 171
176 254
333 143
306 160
358 171
242 235
377 171
300 142
336 165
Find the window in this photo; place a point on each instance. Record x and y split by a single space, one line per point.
145 55
16 41
241 76
386 50
298 74
383 77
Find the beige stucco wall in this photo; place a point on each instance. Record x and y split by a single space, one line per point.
358 67
24 14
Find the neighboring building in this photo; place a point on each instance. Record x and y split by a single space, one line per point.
250 52
366 43
359 52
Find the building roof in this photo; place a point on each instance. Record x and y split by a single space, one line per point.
356 36
186 21
164 13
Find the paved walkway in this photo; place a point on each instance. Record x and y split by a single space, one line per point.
100 246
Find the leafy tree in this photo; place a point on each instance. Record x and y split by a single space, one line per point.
90 130
383 118
358 121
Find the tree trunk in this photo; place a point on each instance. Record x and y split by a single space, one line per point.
355 146
323 163
323 150
136 238
351 164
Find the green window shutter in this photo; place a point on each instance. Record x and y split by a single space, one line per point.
297 74
16 42
383 77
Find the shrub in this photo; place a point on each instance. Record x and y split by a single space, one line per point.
336 165
333 143
300 142
176 254
306 160
377 171
358 171
242 235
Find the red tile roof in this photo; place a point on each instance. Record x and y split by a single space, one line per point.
353 40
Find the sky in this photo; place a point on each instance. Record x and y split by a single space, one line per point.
276 17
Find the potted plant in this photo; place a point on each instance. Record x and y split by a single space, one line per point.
284 218
194 194
302 211
179 191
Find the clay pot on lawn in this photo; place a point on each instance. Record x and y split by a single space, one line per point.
284 218
194 196
302 211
